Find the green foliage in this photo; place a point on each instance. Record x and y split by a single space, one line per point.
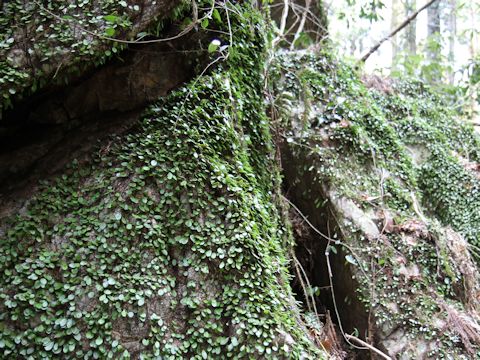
22 69
169 239
372 126
420 66
367 9
453 193
439 73
449 186
397 150
61 39
467 91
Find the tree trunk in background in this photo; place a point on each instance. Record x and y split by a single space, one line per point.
434 45
473 47
406 41
451 28
433 27
434 18
411 30
474 36
397 15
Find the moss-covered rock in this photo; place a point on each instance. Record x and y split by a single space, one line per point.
45 42
169 243
389 173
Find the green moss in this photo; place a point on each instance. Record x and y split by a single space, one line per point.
168 240
450 190
453 194
32 40
380 130
398 153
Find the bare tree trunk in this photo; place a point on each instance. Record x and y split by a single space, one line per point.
451 27
433 53
397 15
411 30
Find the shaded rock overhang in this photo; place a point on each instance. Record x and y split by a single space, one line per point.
47 130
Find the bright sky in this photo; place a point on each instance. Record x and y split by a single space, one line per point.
343 33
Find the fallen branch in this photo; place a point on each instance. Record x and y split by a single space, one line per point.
394 32
363 343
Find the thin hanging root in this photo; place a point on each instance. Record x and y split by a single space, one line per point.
347 337
304 287
307 289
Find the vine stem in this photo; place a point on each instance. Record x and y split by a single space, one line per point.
346 336
180 34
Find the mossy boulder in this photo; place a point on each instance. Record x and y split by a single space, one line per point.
172 238
49 42
389 177
168 242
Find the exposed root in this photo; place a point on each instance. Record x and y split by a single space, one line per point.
374 349
330 340
466 327
459 254
384 85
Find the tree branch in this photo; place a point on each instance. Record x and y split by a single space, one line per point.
363 343
283 22
394 32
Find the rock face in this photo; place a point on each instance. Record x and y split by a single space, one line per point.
48 130
165 241
159 230
58 122
44 42
365 167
